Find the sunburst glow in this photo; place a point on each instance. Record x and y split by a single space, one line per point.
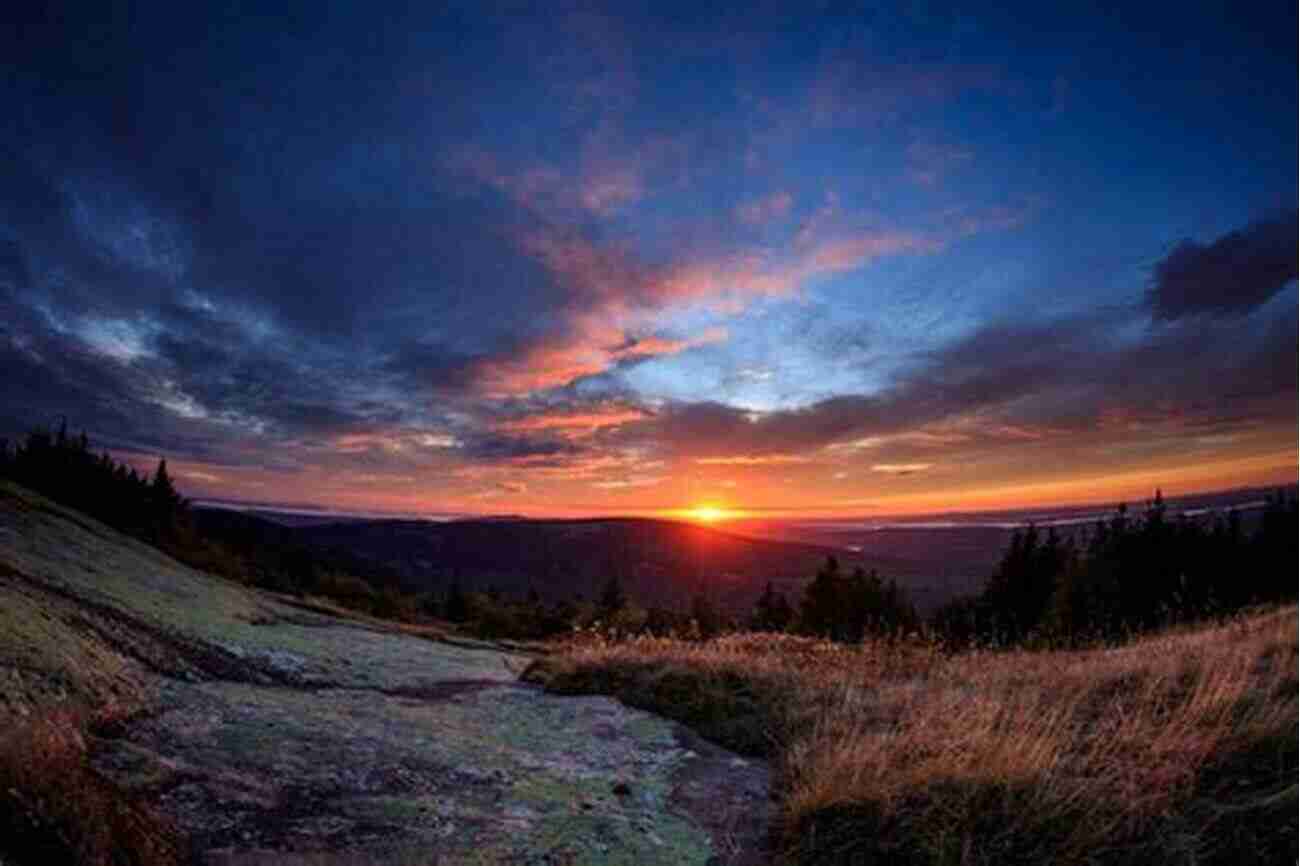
709 513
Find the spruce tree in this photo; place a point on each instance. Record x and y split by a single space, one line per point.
612 597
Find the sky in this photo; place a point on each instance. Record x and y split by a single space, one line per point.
801 258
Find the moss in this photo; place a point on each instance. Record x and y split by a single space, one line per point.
727 709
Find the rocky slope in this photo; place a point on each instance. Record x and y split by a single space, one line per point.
274 734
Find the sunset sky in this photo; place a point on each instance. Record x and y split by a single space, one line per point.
793 258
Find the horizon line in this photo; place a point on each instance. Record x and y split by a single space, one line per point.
738 514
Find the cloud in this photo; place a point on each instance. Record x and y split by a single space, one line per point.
636 349
254 286
762 210
753 460
492 447
901 468
851 91
576 422
928 163
631 481
1229 276
1009 384
610 287
14 270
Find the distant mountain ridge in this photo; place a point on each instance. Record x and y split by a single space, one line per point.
660 563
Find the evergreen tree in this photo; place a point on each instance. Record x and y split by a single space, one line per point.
457 607
819 610
612 597
164 492
705 616
771 612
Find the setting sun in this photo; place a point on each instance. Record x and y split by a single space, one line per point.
707 513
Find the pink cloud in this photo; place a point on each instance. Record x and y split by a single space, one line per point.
647 347
591 347
765 209
612 290
605 193
754 460
852 252
575 424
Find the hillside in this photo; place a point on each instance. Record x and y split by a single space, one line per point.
1175 748
258 731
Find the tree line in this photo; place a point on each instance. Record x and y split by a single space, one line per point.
149 507
64 468
1128 574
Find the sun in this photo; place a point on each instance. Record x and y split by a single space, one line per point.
708 513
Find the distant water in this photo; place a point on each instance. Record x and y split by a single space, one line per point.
1018 519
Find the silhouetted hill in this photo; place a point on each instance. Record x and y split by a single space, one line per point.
660 562
272 551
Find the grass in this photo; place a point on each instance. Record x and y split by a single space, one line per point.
1177 748
54 808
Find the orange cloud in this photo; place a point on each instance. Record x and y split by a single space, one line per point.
610 278
847 253
593 347
538 368
573 424
613 291
901 468
753 460
646 347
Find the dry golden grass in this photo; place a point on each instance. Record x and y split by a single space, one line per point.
1177 748
55 809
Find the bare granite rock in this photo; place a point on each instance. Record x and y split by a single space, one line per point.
274 735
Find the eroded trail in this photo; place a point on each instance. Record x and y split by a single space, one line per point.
276 735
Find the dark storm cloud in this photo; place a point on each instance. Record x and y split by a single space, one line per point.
14 272
422 367
49 377
1228 276
493 447
244 197
271 157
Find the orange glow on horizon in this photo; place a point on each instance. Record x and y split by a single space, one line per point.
780 490
707 512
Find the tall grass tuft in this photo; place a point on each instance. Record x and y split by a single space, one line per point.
55 809
1177 748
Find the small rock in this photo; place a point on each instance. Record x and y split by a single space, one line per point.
622 789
